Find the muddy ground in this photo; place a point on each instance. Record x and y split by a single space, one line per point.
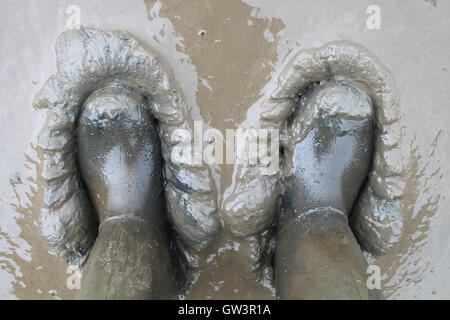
223 53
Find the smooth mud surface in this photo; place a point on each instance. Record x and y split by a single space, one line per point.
226 57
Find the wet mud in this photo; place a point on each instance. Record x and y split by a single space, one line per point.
229 254
120 165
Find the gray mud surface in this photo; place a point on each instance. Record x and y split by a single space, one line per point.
233 65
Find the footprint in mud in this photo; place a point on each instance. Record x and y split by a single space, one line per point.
106 147
339 182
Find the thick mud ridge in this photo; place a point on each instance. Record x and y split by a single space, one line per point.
376 219
89 60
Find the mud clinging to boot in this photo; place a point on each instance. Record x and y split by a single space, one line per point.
317 255
123 85
236 164
341 166
120 162
113 189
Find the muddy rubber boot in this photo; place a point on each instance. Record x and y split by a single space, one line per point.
317 255
120 162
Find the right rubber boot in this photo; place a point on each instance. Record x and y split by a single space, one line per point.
120 162
317 255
